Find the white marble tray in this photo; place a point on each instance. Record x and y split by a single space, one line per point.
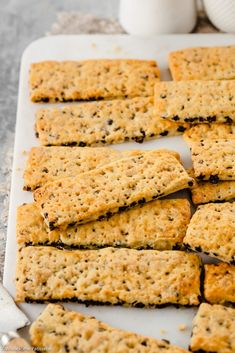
158 323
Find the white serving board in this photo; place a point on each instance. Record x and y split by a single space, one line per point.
158 323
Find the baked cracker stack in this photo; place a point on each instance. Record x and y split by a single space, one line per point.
100 230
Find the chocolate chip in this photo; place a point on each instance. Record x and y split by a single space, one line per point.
198 248
228 120
211 118
122 208
52 225
201 177
164 133
190 120
110 121
214 179
141 201
82 144
44 99
66 347
181 128
138 139
168 342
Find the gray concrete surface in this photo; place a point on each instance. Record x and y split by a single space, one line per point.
22 21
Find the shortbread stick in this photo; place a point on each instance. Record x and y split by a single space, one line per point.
196 101
211 230
58 329
47 164
205 191
213 329
214 160
219 283
108 276
159 225
103 123
63 81
203 63
209 131
112 188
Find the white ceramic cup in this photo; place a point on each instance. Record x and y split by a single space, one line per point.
221 13
147 17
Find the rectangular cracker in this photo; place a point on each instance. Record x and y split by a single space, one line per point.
211 230
159 225
213 329
103 123
209 131
219 283
47 164
112 188
196 101
113 276
62 81
214 160
203 63
205 191
61 330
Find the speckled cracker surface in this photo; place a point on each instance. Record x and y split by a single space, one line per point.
103 123
219 283
214 160
211 230
209 131
213 329
47 164
114 276
112 188
203 63
196 101
159 224
61 81
63 331
205 191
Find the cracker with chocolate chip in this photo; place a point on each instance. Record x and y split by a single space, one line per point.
211 230
103 123
63 81
214 160
160 225
47 164
205 191
213 329
219 283
61 330
113 188
112 276
203 63
209 131
196 101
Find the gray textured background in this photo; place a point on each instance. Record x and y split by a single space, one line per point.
22 21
